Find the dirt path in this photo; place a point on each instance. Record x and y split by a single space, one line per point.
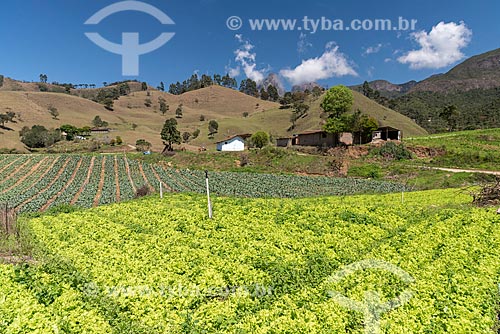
101 183
145 178
117 180
54 180
84 184
127 169
460 170
16 171
71 179
8 165
159 178
25 176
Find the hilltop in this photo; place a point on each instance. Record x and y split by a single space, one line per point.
478 72
132 119
473 86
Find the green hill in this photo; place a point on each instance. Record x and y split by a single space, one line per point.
132 118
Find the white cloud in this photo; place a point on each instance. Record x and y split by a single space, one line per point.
233 72
373 49
370 71
332 63
245 57
440 47
303 44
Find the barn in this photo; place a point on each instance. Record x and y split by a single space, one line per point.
387 133
234 143
318 138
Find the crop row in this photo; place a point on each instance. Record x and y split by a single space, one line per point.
32 183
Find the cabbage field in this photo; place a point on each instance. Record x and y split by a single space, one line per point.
37 182
430 265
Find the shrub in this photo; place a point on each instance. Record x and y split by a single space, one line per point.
260 139
366 171
393 151
142 191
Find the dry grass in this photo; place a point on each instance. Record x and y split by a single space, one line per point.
222 104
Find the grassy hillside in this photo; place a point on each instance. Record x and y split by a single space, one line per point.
385 116
478 149
224 105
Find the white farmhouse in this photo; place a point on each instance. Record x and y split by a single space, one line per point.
234 143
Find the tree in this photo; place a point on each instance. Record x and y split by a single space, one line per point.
144 86
229 82
367 90
213 127
148 103
178 111
163 105
316 91
260 139
450 115
249 87
300 109
3 120
338 100
196 133
245 114
264 95
119 140
202 118
70 130
53 112
206 81
362 125
142 145
286 100
38 136
272 92
186 136
161 87
43 78
7 117
99 123
170 135
217 79
108 103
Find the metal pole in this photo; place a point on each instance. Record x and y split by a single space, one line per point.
6 218
208 196
161 190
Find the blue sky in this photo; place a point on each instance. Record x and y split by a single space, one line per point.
48 37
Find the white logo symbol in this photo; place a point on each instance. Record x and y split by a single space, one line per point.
130 49
372 308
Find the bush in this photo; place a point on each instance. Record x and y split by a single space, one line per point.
366 171
142 191
393 151
260 139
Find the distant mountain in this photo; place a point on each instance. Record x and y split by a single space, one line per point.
306 86
273 79
478 72
388 89
473 86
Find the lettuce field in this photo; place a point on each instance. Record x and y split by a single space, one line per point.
260 266
37 182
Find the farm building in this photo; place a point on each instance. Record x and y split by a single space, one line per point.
387 133
96 131
317 138
234 143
